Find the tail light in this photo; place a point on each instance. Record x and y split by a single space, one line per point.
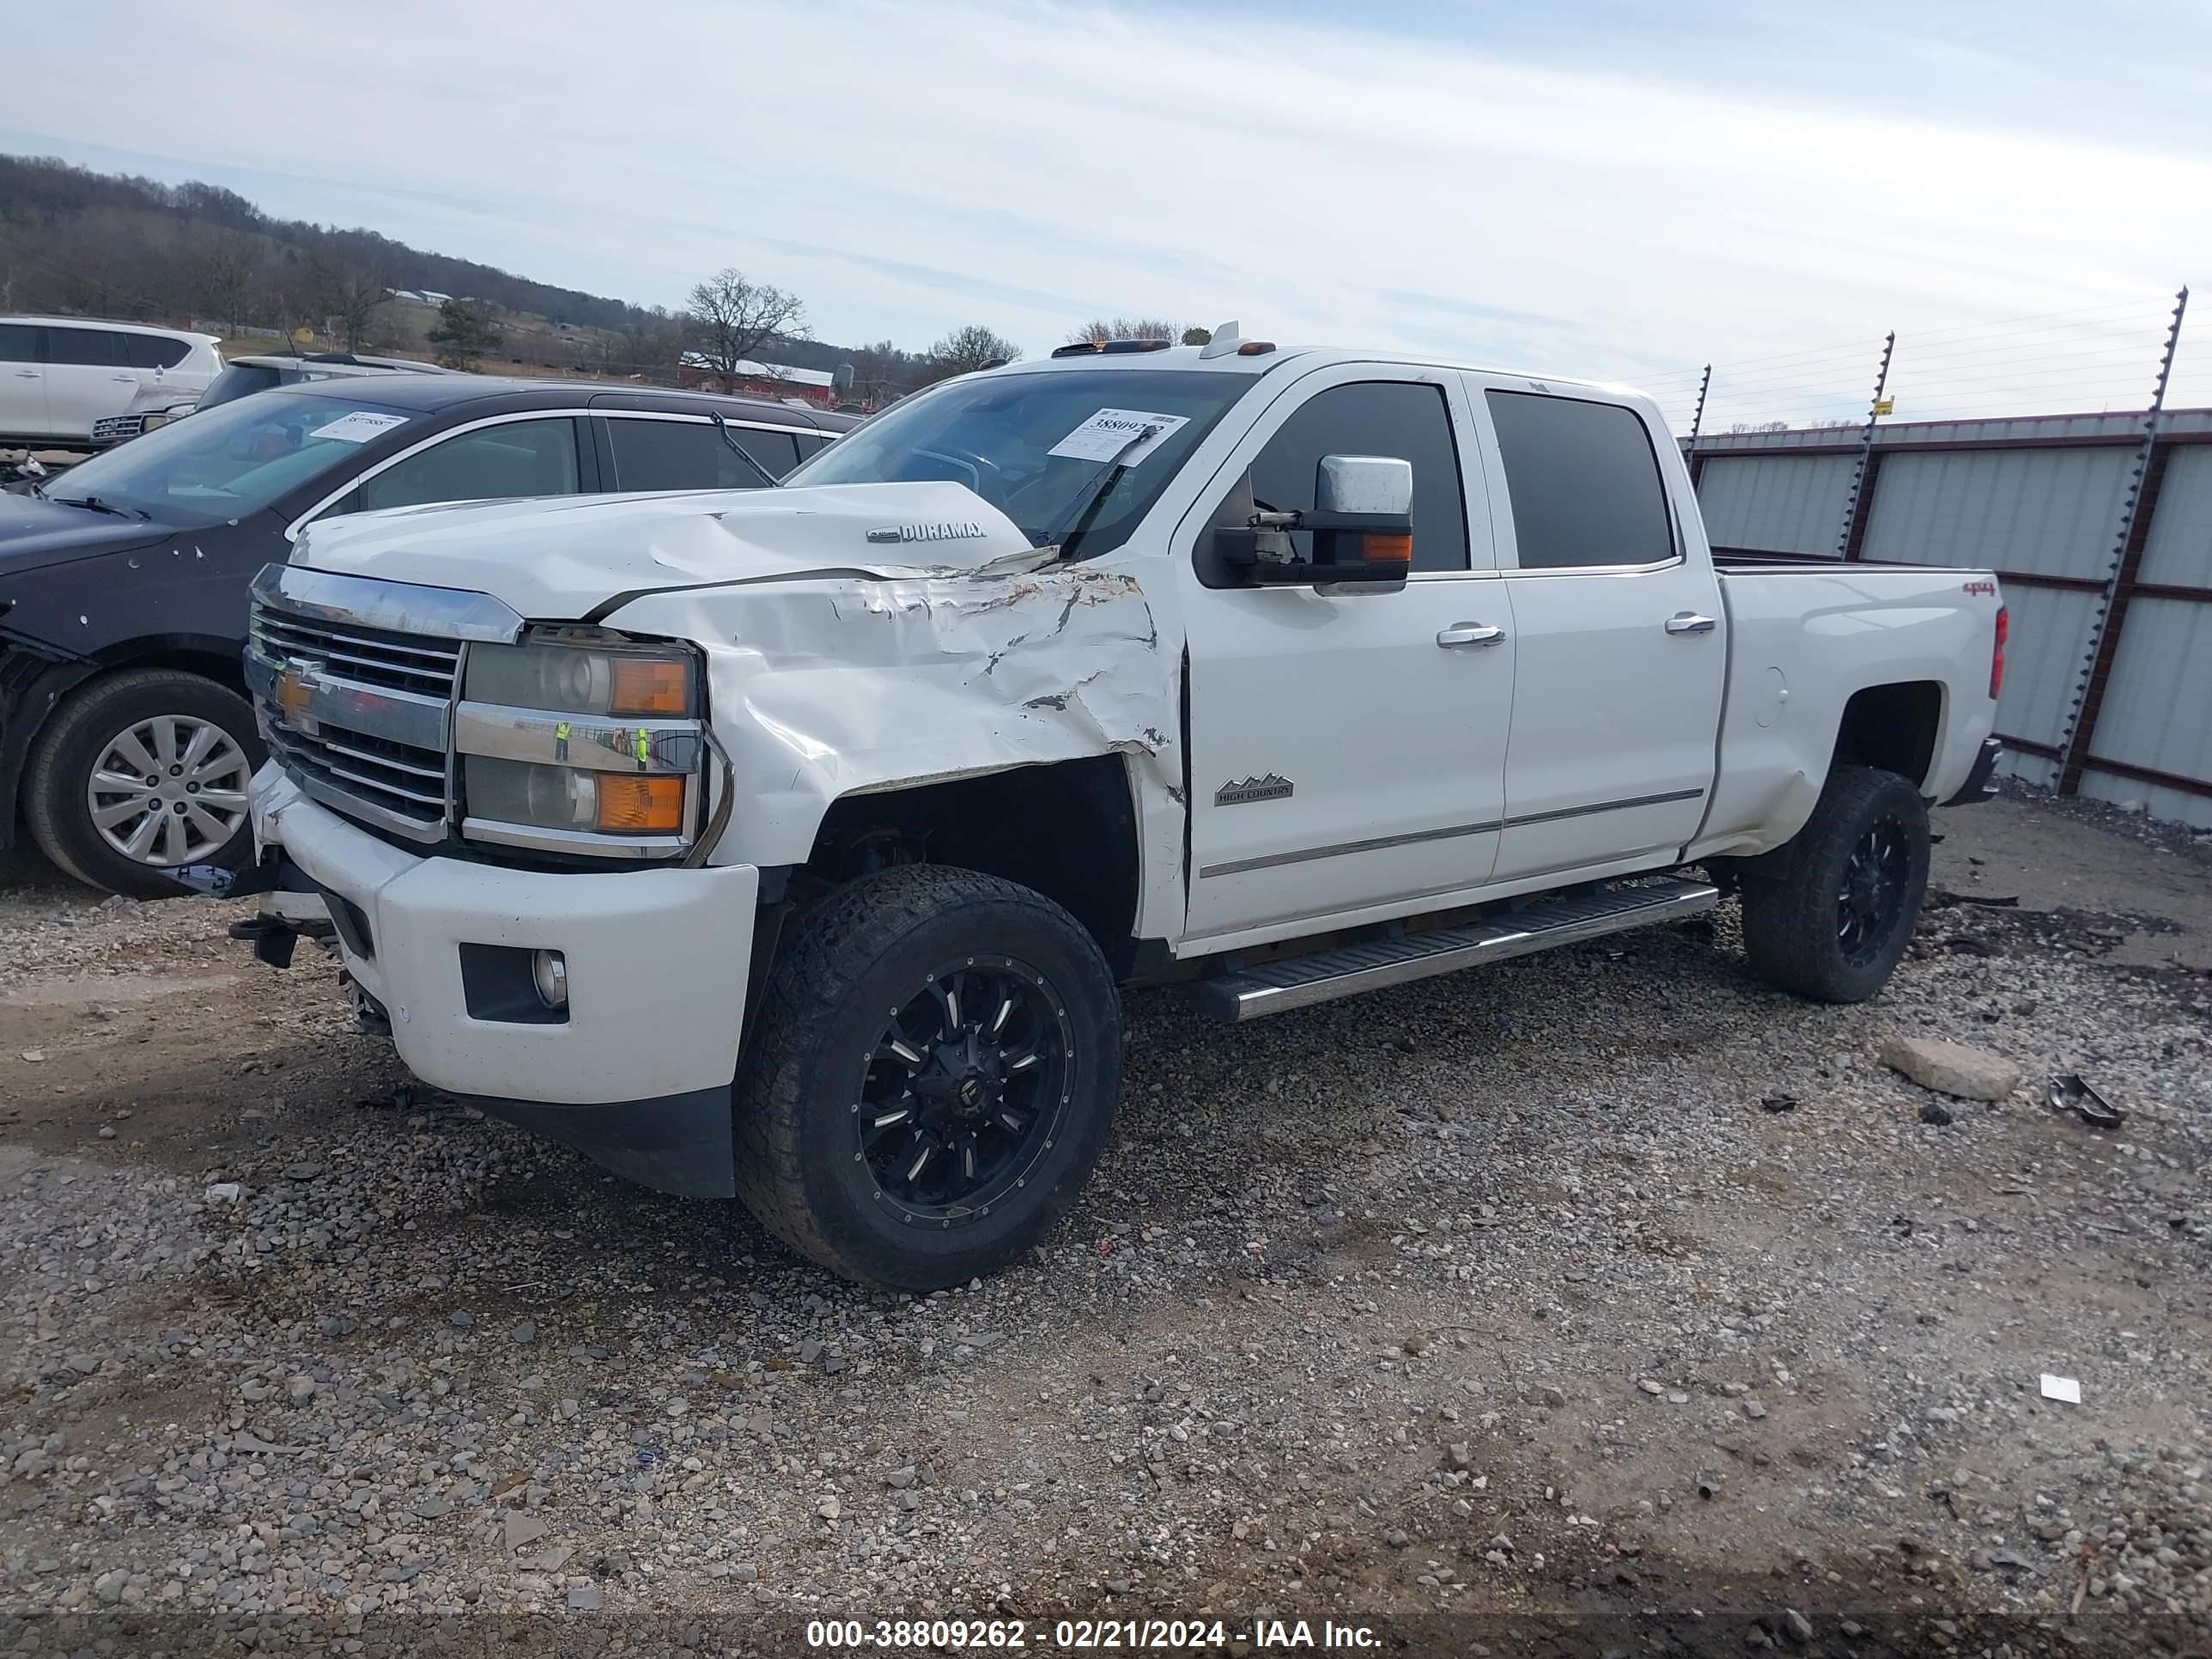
1997 653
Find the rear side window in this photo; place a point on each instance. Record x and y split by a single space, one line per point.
153 350
517 458
1584 482
84 345
1403 418
691 455
19 344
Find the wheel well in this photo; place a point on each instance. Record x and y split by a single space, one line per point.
227 671
1067 830
1893 727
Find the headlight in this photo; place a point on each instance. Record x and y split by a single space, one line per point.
563 797
582 741
578 679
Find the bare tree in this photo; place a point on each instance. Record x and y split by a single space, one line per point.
731 317
1196 336
224 283
966 349
345 294
1103 328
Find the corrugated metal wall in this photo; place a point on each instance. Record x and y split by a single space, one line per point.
2039 501
1792 504
2052 512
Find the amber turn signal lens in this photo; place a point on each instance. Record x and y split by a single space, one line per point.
654 805
648 685
1390 549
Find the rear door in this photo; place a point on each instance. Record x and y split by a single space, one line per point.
1620 639
22 382
87 379
1347 747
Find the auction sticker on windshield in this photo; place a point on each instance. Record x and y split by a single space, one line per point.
1101 436
359 426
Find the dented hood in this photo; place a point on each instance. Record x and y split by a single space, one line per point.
558 560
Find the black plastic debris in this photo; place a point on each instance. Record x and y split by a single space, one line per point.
1931 1113
2069 1093
1778 1104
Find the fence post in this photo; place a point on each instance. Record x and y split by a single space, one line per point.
1861 493
2137 507
1697 423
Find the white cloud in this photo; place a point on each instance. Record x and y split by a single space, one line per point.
907 168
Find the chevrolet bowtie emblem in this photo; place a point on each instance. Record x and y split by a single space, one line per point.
295 690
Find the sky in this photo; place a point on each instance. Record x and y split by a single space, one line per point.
1600 188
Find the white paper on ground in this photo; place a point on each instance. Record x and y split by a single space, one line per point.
1101 437
359 426
2067 1389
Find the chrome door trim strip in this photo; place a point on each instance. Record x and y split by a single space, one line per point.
1238 867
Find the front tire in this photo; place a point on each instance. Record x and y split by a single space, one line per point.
140 772
1828 914
934 1072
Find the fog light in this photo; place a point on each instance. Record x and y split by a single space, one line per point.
549 971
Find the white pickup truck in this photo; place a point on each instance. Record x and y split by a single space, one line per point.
795 844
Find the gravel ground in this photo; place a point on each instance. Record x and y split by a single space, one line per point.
1506 1313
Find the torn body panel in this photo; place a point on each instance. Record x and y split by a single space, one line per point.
841 685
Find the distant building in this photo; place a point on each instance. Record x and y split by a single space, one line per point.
814 386
431 296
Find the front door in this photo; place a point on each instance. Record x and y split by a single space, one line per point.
1347 748
1622 643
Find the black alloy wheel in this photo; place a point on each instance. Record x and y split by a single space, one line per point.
964 1091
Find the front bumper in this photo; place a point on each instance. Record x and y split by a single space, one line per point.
638 1073
1981 783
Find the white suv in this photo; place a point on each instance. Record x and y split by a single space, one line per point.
59 376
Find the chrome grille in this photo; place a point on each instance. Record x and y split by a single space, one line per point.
359 714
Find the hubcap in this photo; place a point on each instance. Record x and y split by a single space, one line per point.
964 1091
1876 880
168 790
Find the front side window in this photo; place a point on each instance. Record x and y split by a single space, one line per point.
1036 445
95 346
691 455
19 344
517 458
1408 420
224 462
1584 482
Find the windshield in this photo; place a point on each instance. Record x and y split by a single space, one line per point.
227 462
1034 444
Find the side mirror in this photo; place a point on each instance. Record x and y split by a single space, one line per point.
1361 529
1381 485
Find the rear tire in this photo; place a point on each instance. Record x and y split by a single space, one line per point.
1828 914
934 1074
104 770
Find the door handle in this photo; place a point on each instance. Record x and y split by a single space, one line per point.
1689 621
27 373
1467 633
127 379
